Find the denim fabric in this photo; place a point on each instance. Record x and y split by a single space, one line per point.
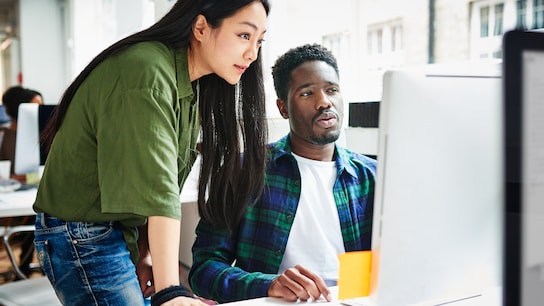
87 263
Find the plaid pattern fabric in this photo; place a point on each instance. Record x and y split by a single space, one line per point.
242 265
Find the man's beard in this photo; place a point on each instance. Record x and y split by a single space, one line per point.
326 138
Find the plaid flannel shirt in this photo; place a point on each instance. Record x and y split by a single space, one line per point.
242 265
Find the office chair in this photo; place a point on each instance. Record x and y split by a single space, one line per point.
9 234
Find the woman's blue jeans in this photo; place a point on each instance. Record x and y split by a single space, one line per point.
87 263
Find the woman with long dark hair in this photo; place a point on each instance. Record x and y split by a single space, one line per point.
123 140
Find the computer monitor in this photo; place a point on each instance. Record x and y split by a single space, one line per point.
29 154
523 54
437 231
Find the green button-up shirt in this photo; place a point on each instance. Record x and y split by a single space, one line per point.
127 142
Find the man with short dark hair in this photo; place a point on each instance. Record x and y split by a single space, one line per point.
317 200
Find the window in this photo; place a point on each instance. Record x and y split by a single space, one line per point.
333 42
487 20
538 14
379 41
369 42
497 54
396 37
385 45
499 13
521 14
338 44
488 25
384 38
484 21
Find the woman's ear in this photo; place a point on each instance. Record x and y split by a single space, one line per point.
282 107
199 27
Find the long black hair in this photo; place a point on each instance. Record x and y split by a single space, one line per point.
230 123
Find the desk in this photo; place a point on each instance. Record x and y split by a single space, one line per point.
490 297
17 203
276 301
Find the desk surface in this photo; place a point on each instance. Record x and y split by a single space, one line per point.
489 297
17 203
276 301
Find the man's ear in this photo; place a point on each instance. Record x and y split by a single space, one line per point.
282 107
199 27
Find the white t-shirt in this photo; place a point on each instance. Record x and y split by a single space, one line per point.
315 239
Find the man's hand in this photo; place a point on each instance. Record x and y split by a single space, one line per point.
145 276
299 283
144 269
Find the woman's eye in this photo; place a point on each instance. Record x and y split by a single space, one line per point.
245 36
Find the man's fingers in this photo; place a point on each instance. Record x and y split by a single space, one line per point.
318 286
299 283
296 283
305 287
277 289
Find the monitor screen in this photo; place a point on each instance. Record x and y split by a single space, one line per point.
437 229
29 154
524 175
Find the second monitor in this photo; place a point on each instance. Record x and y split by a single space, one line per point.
29 154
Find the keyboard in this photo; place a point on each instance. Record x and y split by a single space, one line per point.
359 301
8 185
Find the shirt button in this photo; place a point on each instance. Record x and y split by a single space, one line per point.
278 252
289 217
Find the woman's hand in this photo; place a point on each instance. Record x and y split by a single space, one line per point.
184 301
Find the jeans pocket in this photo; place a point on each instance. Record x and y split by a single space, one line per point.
90 232
44 259
94 242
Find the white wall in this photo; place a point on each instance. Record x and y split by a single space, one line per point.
41 47
97 24
296 22
60 37
162 6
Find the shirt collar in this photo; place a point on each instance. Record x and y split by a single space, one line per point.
185 89
282 148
